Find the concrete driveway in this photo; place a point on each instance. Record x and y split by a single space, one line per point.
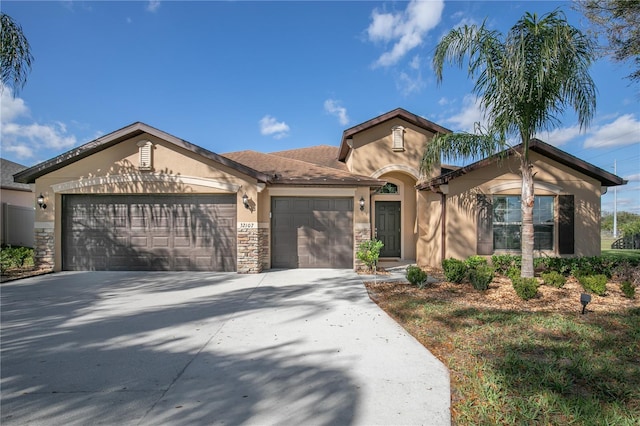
287 347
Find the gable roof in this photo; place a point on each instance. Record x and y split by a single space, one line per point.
31 174
8 169
542 148
289 171
396 113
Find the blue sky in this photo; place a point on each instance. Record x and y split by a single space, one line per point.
270 76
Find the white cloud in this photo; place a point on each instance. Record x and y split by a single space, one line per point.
558 137
11 107
443 101
270 126
633 178
625 130
406 29
49 136
410 84
21 151
153 5
471 114
24 138
333 107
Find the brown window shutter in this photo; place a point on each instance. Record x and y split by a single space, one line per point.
485 225
566 221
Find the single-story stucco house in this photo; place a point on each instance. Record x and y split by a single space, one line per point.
139 198
17 213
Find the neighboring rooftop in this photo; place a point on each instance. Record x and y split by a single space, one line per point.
8 169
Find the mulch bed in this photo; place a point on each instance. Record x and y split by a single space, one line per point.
501 295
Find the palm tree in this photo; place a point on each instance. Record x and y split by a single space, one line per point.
523 82
15 53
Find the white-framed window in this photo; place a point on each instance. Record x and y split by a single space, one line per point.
388 188
507 222
145 149
397 133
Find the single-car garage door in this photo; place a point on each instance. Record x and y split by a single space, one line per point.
149 232
311 232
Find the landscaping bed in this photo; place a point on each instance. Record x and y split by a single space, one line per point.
536 361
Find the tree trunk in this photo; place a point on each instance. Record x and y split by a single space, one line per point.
527 202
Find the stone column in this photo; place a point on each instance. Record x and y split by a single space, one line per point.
44 246
248 261
362 232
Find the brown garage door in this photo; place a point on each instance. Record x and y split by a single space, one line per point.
150 232
311 232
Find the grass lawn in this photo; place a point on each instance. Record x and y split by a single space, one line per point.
633 255
512 365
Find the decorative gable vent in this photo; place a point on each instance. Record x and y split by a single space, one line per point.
146 159
398 138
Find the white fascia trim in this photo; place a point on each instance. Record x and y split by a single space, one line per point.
183 180
496 189
396 168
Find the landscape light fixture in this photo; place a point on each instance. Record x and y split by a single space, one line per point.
245 201
40 201
361 203
584 299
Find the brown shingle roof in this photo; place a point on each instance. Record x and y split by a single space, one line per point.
323 155
285 170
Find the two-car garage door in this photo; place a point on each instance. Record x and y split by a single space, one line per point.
149 232
311 232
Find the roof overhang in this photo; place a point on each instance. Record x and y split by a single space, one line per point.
605 178
396 113
136 129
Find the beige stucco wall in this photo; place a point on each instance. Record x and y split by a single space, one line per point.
18 198
552 179
373 148
114 170
429 244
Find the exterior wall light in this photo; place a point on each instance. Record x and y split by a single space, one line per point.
584 299
40 201
361 203
245 201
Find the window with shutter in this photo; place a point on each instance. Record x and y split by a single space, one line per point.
145 148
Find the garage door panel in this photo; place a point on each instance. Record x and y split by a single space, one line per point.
151 232
312 232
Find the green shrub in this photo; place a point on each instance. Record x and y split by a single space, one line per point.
554 279
481 276
15 257
475 261
416 276
513 272
503 262
455 270
526 288
369 252
596 284
628 289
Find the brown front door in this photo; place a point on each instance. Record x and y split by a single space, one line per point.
388 227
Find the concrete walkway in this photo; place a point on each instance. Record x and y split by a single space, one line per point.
295 347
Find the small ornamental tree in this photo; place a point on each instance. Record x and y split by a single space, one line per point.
369 252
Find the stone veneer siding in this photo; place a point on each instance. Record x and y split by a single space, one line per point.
263 248
249 250
43 252
362 233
